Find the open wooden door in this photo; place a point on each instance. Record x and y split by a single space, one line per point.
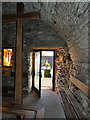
37 71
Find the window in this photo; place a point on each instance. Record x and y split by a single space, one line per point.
7 57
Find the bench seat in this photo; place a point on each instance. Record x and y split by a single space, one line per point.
22 111
71 106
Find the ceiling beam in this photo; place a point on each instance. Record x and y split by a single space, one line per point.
24 16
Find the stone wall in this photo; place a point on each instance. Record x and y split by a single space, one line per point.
64 69
9 41
82 99
63 62
70 21
36 33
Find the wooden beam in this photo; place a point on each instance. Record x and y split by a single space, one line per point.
41 47
24 16
44 48
19 62
19 58
33 15
20 8
84 88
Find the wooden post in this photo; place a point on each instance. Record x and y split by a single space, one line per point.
19 17
19 57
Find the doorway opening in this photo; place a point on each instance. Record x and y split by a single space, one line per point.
43 70
47 69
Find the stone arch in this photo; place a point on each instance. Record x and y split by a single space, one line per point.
70 19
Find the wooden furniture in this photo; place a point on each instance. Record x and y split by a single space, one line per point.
19 17
71 106
84 88
22 111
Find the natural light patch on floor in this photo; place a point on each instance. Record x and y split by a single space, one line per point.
46 83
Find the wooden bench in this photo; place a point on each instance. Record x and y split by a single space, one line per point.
22 111
72 107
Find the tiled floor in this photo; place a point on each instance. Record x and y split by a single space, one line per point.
49 100
46 83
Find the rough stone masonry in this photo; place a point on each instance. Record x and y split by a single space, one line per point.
62 24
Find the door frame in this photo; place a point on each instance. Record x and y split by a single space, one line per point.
34 88
54 57
53 80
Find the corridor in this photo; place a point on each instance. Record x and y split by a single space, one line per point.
29 29
49 100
